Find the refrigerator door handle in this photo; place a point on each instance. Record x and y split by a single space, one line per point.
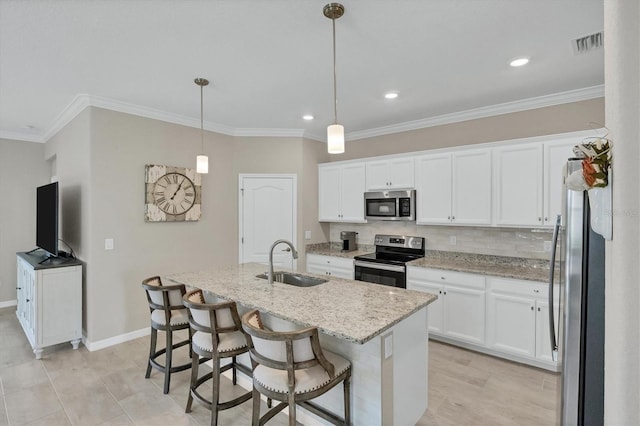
552 325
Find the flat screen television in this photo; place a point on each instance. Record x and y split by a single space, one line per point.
47 218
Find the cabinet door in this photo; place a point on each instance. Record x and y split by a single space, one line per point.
471 177
401 173
555 157
433 189
434 308
329 193
352 201
511 324
317 264
31 304
341 267
543 341
377 175
464 313
518 185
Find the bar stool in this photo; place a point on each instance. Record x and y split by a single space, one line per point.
217 334
167 314
292 367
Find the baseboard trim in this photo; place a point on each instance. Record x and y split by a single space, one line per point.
112 341
8 304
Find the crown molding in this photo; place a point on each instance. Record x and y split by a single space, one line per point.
82 101
472 114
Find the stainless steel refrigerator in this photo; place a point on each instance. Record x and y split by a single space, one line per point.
577 335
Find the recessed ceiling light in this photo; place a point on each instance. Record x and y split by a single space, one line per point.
391 95
307 117
518 62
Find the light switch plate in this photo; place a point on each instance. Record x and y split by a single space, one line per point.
108 244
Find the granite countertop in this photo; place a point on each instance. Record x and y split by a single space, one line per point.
497 266
335 249
350 310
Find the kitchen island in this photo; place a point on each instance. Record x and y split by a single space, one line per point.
381 330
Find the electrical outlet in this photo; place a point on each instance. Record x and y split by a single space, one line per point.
547 246
108 244
307 235
452 240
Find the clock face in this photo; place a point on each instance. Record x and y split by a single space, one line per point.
174 193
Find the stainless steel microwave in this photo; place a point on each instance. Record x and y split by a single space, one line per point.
390 205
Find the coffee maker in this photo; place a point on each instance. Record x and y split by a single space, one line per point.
348 240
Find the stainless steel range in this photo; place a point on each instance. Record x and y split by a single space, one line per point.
387 265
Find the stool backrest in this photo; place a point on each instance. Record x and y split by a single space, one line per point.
284 350
164 297
214 318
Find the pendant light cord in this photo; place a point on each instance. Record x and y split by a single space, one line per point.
201 121
335 92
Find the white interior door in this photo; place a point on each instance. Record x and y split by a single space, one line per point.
267 214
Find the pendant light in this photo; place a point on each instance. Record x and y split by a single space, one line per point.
335 132
202 161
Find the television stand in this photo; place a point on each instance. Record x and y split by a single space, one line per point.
49 300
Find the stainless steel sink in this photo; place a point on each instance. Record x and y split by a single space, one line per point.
294 279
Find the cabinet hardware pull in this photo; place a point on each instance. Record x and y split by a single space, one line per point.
453 217
18 288
539 219
445 293
538 309
28 300
532 308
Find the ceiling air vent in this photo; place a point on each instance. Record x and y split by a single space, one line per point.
588 43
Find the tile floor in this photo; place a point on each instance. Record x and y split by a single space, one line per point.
107 387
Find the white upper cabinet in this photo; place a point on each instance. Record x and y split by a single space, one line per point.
341 192
518 185
396 173
454 188
528 181
556 154
433 189
471 202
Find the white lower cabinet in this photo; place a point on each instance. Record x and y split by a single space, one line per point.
500 316
49 303
334 266
459 311
518 318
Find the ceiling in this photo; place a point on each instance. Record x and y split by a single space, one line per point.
270 62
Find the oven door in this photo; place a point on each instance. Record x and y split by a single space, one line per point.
381 273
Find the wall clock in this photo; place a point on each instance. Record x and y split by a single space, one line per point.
172 194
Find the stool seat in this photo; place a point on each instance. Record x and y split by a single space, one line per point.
307 379
178 317
226 342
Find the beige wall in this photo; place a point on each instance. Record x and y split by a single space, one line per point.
291 156
22 170
536 122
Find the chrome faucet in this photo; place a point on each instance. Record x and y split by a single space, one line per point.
293 250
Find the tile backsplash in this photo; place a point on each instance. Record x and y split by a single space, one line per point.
514 242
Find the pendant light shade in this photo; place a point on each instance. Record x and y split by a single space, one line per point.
202 161
202 164
335 132
335 139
